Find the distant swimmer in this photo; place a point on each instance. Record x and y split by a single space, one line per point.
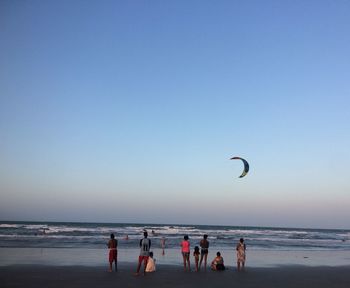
126 237
43 231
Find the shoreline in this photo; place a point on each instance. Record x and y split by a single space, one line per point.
98 257
31 276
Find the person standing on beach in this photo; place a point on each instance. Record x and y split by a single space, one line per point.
240 248
196 254
204 251
113 252
162 244
145 245
185 250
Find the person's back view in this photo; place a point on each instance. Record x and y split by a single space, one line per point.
145 246
113 252
185 250
204 251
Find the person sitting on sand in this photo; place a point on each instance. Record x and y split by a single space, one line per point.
240 248
113 252
218 263
196 254
151 263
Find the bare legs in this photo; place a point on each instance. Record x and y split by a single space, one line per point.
144 260
205 256
186 258
111 265
240 266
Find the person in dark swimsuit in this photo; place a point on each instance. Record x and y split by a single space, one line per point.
204 251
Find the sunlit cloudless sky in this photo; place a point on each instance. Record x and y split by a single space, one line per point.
129 111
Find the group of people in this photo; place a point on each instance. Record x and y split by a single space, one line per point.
145 257
200 253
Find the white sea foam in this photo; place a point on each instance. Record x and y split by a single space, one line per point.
92 235
10 225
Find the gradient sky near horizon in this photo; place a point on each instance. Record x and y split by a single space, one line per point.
129 111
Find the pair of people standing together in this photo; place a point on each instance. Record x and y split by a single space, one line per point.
185 250
146 256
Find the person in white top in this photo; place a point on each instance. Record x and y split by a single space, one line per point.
145 245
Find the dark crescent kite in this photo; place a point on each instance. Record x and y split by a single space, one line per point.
246 166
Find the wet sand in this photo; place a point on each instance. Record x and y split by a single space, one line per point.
99 257
33 276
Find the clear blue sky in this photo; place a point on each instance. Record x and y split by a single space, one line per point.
128 111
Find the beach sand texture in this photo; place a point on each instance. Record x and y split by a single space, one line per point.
33 276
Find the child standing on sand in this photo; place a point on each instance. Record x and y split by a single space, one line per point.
185 250
113 252
196 256
240 248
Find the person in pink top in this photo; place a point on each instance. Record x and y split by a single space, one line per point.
185 250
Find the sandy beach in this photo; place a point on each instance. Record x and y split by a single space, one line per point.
289 266
173 276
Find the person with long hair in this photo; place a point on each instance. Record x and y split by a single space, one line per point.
185 250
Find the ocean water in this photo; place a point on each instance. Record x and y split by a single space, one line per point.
96 235
53 243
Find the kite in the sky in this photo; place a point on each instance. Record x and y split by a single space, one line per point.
246 166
